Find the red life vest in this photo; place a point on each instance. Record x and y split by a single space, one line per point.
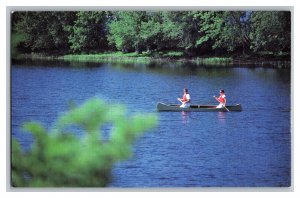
184 98
221 99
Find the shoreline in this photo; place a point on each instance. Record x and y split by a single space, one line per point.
134 58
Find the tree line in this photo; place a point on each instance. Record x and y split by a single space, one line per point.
195 33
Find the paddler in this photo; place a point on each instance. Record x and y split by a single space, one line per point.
221 99
186 99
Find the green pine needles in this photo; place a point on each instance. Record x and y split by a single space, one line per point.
59 158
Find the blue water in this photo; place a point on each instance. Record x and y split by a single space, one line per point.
198 149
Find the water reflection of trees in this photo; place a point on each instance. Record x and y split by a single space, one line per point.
176 69
170 68
56 63
269 74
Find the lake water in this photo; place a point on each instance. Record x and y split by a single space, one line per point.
251 148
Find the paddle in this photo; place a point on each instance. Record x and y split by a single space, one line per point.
226 108
219 101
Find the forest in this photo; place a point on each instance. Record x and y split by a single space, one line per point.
188 33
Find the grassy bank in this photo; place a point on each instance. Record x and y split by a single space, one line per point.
147 58
142 58
161 58
109 57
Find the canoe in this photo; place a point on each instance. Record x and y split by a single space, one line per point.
203 108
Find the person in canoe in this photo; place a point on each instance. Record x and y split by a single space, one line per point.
186 99
221 99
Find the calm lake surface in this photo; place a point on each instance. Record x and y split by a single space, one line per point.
196 149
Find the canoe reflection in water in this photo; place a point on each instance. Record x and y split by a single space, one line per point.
185 117
222 117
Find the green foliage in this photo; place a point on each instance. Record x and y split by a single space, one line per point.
43 31
117 57
190 26
173 54
193 32
213 61
16 41
151 33
138 31
224 30
88 33
271 32
124 30
59 158
172 31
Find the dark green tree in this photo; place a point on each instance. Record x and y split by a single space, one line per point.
151 31
42 31
172 31
161 31
192 32
224 30
17 37
191 26
271 31
88 34
124 30
138 31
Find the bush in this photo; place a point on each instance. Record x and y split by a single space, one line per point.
59 158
